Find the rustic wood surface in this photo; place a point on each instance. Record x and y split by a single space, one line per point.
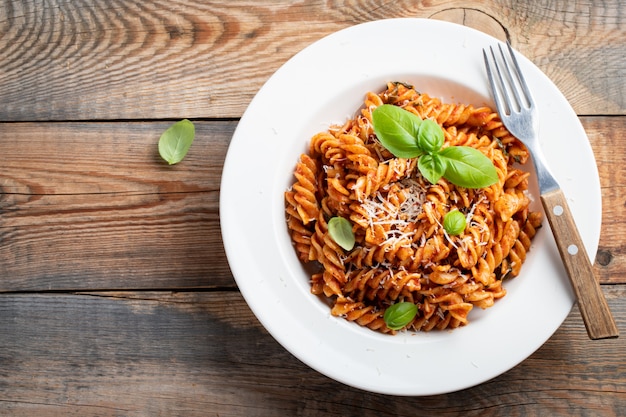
116 298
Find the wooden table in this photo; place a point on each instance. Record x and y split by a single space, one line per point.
116 298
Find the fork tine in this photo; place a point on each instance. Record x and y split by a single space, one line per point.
507 91
520 76
500 96
511 82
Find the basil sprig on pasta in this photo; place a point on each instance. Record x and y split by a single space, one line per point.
399 315
454 222
340 230
406 135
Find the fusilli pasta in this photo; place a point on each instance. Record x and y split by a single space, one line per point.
402 251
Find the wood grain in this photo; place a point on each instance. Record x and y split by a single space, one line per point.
102 211
116 298
147 60
199 354
609 149
100 208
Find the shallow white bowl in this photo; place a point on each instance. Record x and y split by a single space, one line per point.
326 83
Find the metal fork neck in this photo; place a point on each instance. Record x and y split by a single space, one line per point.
546 180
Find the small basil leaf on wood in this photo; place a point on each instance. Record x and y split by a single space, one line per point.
454 222
468 167
397 130
432 167
399 315
340 230
174 143
430 136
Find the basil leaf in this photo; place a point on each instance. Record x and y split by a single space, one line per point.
454 222
340 230
468 167
176 140
399 315
432 167
397 130
430 136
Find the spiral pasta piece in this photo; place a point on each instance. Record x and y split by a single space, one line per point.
402 252
304 190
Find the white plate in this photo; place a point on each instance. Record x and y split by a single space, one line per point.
326 83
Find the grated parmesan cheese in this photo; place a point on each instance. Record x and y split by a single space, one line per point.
470 214
382 212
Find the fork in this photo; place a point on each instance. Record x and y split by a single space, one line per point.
518 112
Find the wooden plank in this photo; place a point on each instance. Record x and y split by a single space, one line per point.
97 60
610 152
198 354
115 158
91 206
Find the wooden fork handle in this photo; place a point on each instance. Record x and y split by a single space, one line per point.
591 302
